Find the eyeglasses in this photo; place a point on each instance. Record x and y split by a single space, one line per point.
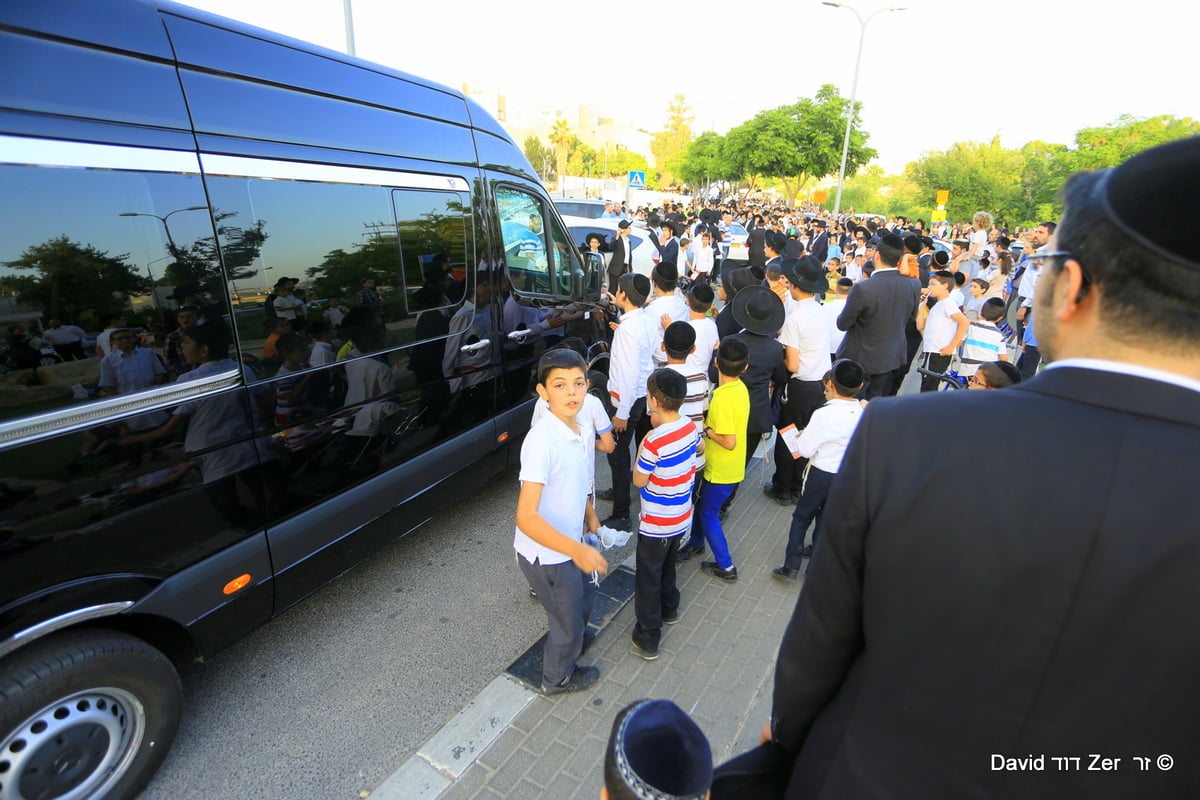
974 380
1085 279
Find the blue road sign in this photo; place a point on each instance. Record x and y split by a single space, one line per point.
637 179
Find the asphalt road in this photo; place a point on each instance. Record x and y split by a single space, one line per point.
328 699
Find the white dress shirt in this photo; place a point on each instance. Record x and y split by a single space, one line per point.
631 362
828 433
806 330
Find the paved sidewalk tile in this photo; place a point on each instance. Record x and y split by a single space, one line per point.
717 663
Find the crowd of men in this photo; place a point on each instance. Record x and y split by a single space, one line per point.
998 602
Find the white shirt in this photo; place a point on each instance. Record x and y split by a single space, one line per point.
335 314
707 340
556 457
1125 368
631 361
220 421
102 340
63 334
676 308
940 327
591 417
1029 279
828 433
322 354
702 260
832 308
806 330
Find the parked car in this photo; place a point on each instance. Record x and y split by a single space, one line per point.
645 254
580 207
734 246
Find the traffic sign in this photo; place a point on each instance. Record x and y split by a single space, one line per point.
637 179
943 197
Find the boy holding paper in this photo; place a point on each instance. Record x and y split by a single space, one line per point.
823 442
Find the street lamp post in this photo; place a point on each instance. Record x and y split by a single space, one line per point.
171 248
863 23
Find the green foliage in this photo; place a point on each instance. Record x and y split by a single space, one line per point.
1022 187
561 138
198 266
540 156
798 142
73 278
669 145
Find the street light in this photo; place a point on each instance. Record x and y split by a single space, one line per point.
171 248
863 23
163 220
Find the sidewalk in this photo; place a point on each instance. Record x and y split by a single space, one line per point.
717 663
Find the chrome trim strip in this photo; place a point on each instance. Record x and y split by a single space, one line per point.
28 151
241 167
53 624
66 420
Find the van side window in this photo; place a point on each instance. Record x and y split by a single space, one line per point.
522 228
567 266
93 265
347 264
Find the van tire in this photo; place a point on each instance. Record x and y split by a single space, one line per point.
86 714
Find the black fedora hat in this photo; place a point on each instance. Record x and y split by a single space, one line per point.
759 310
806 274
738 279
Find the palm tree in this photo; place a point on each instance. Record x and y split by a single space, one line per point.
561 138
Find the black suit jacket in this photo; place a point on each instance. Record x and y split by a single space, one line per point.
616 265
873 319
756 247
1057 618
818 248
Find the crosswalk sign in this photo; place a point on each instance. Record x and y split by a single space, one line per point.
637 179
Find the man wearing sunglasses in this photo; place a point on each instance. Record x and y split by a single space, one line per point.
1007 656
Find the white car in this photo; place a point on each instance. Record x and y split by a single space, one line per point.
645 254
735 246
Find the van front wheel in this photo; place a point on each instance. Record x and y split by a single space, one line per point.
85 714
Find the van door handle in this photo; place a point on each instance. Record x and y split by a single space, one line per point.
475 347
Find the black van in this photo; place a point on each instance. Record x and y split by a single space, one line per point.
214 446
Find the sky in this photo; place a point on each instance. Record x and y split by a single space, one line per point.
936 73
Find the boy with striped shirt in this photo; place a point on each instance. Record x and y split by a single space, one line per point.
664 472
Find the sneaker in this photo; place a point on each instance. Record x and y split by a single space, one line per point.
532 594
604 494
785 573
582 678
722 514
807 552
643 652
671 617
689 550
727 575
618 523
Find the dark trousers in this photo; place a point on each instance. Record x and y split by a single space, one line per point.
70 352
1028 362
934 363
803 398
877 385
566 594
655 591
812 503
620 460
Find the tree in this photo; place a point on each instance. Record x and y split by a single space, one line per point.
702 161
539 156
798 142
1099 148
669 144
203 267
73 278
562 138
980 177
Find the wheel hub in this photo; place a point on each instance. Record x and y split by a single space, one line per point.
73 748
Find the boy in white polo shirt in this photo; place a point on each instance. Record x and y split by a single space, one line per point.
553 511
944 327
823 442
